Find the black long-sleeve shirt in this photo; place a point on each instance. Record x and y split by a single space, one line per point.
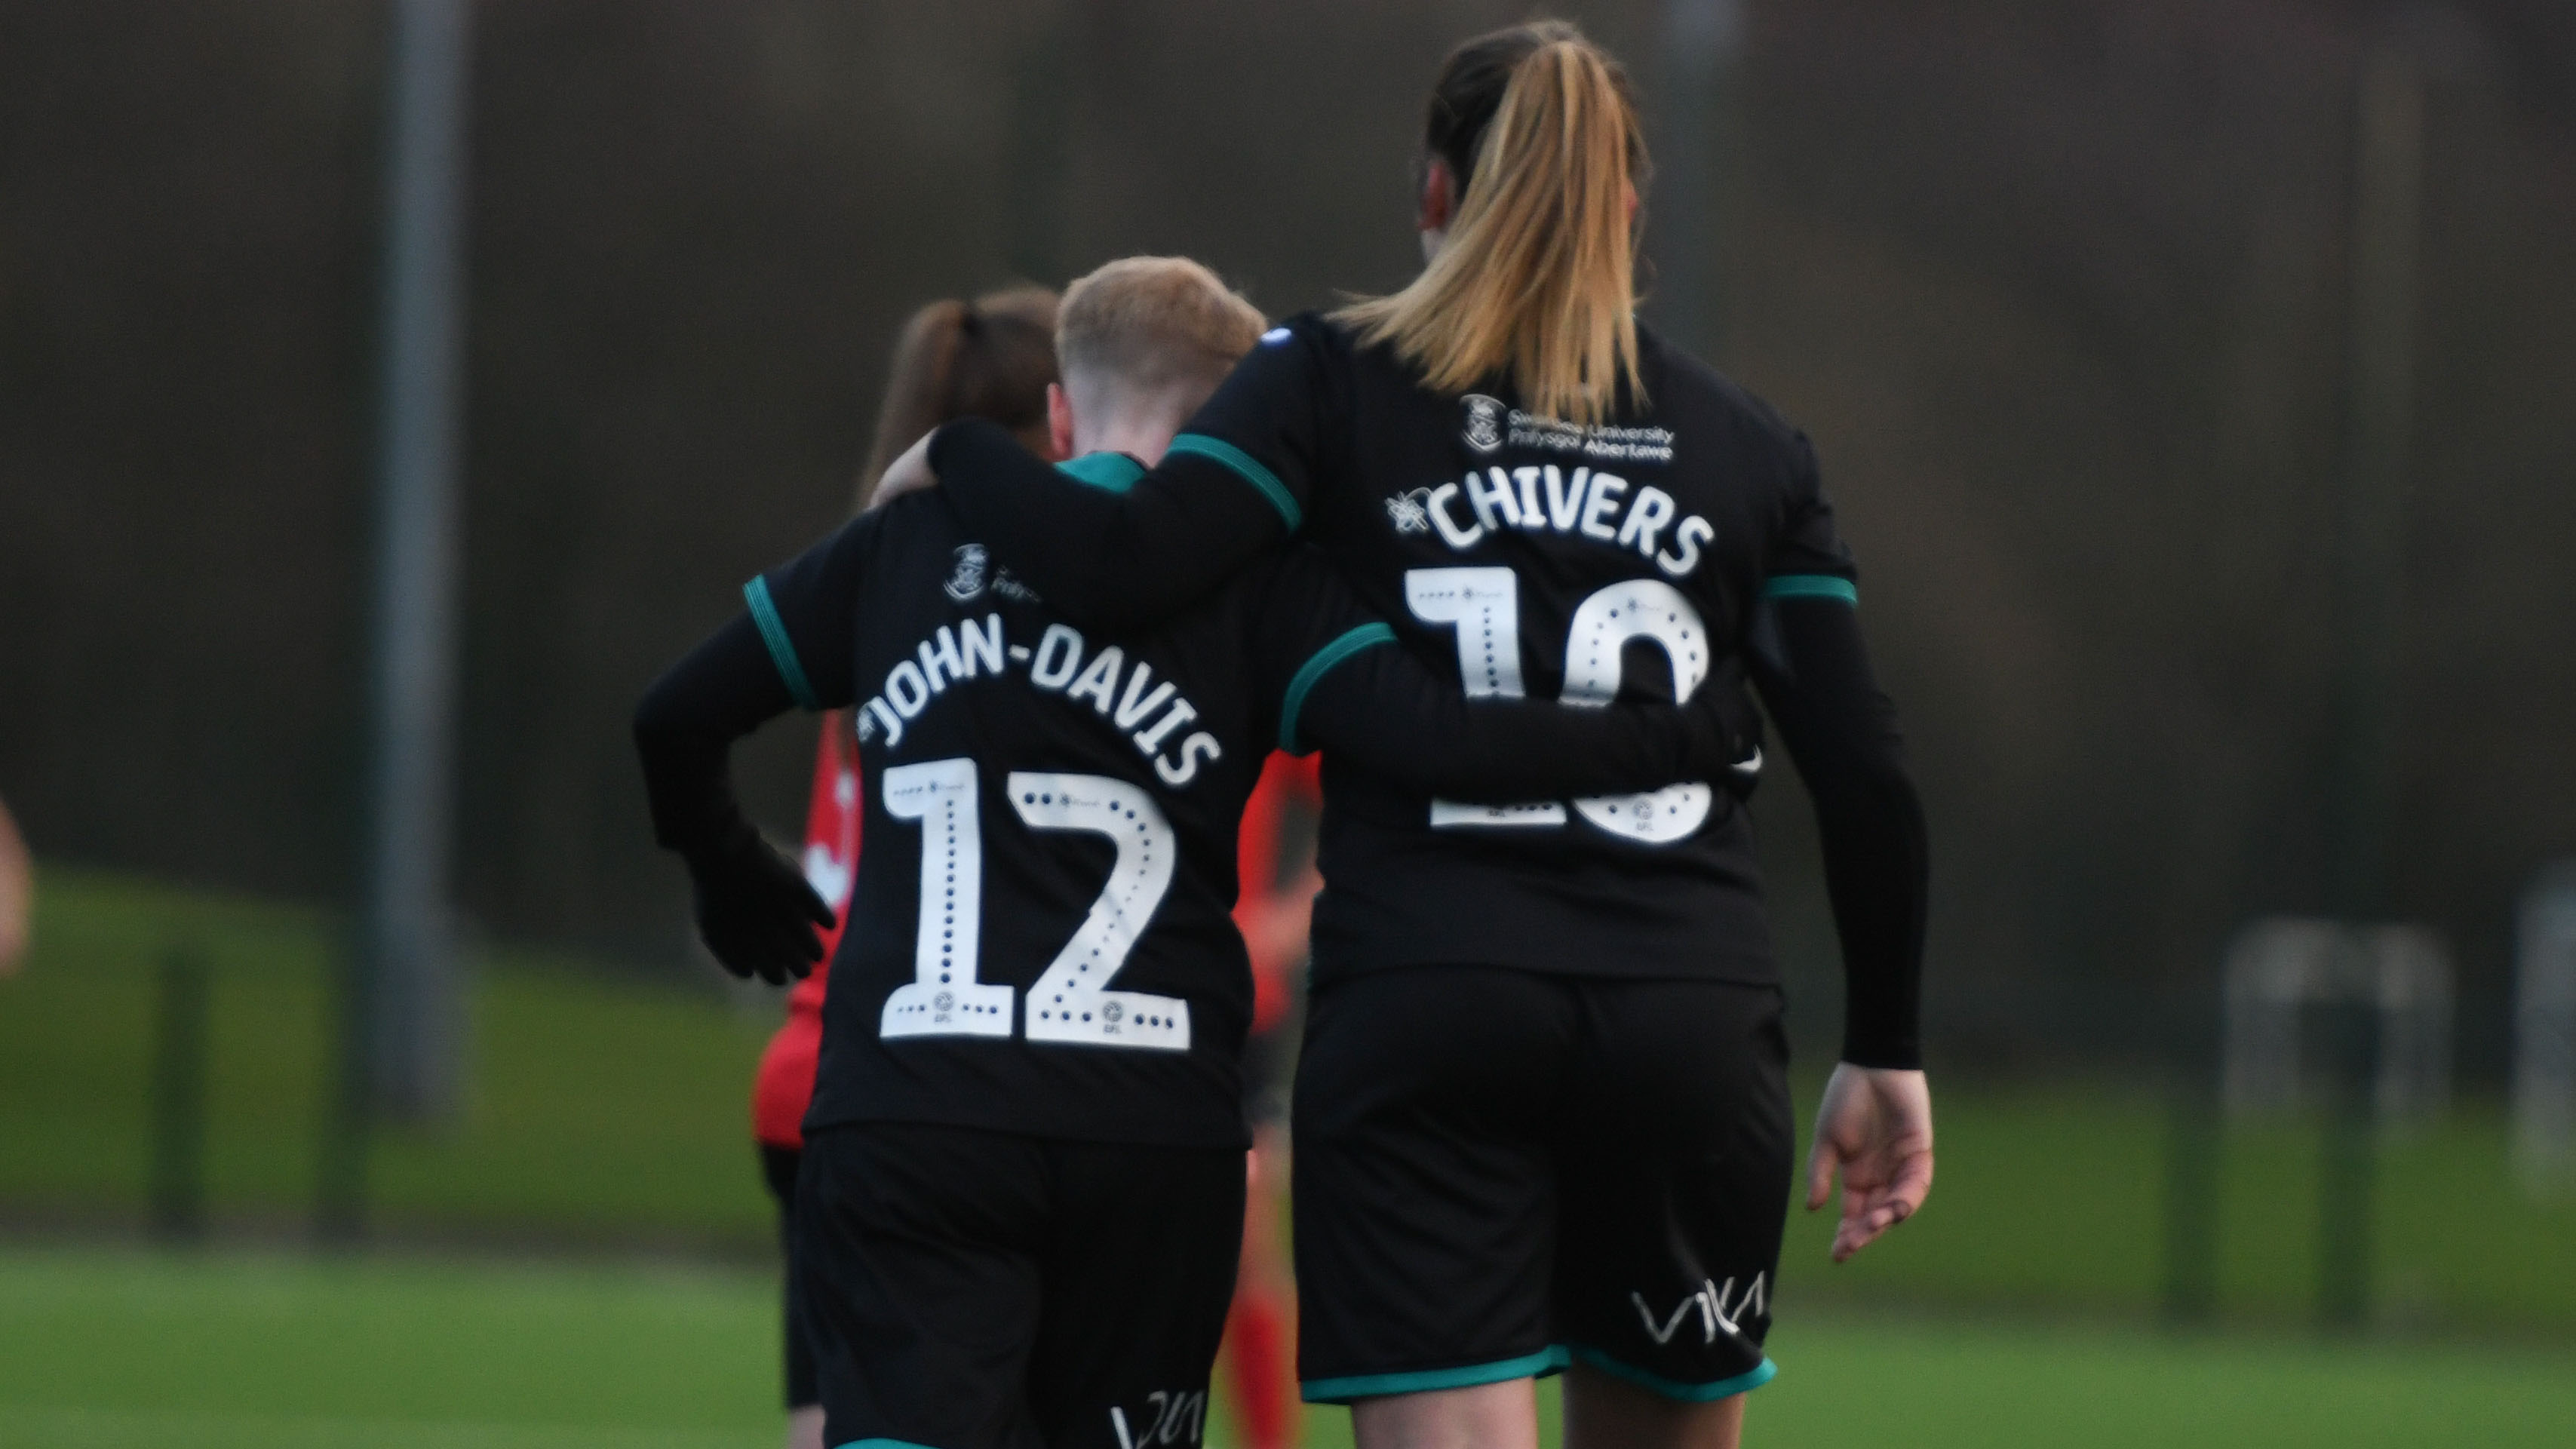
1487 535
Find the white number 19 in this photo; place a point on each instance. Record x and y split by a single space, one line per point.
1483 606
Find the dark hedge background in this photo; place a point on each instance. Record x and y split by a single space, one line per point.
2059 289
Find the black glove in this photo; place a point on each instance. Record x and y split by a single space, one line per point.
1726 733
755 911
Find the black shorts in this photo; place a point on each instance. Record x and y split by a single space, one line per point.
778 1169
968 1288
1500 1172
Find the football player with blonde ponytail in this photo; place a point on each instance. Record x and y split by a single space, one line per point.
1541 1120
1533 276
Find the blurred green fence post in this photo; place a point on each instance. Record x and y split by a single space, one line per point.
178 1173
2378 398
1698 148
2192 1164
2348 1169
402 1013
1038 152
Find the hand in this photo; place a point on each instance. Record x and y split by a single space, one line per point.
1875 1124
755 911
907 474
1725 733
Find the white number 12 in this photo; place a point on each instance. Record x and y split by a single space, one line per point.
1071 1002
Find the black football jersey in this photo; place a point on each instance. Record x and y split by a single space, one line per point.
1537 559
1044 897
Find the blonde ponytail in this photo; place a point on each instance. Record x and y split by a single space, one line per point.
1537 281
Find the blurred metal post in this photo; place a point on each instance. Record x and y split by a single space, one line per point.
1698 169
2192 1152
402 1017
2348 1166
178 1191
1038 138
2544 1036
2388 165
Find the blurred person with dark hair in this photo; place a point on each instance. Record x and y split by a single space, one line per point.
17 893
1541 1119
994 358
1022 1195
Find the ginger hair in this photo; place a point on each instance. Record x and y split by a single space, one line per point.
1149 330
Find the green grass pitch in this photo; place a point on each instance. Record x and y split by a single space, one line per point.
106 1349
609 1116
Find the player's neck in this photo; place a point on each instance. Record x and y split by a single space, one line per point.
1147 439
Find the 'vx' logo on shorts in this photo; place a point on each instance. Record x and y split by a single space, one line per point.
1718 1306
1167 1418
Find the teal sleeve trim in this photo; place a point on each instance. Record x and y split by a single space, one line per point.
1752 1378
1375 1386
1110 472
782 650
1812 586
1248 468
1317 665
881 1444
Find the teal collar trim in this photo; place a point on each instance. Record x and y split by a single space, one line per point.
1317 665
782 650
1812 586
1752 1378
1246 467
1114 472
1372 1386
881 1444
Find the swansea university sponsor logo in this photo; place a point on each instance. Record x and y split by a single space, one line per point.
966 576
1491 425
1484 431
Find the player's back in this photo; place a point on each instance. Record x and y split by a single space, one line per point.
1040 934
1532 557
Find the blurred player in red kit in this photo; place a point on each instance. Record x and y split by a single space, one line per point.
989 358
17 894
1276 863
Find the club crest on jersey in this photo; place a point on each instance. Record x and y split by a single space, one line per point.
966 578
1484 422
1410 512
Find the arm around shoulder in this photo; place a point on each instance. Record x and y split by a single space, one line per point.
1382 710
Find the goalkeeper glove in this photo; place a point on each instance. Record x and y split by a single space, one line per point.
754 909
